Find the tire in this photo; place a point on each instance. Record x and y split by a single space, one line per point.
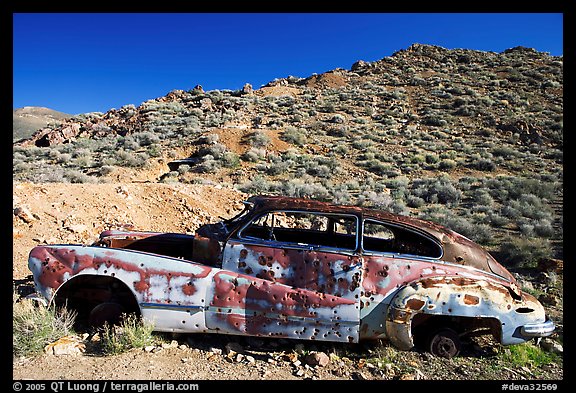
444 343
108 312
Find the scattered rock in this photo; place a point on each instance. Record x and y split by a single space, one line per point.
171 344
414 376
317 359
548 299
551 345
23 213
247 89
216 351
389 369
67 345
291 357
198 89
77 228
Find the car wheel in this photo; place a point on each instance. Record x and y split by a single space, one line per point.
105 312
444 343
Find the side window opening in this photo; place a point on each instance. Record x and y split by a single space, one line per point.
388 238
304 229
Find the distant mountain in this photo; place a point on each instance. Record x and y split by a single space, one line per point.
27 120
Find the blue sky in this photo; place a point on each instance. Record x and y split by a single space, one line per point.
87 62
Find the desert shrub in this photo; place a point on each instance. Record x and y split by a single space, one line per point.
415 201
129 143
480 233
447 164
259 139
34 326
146 138
132 332
254 155
524 252
182 169
257 185
483 164
543 228
131 159
74 176
106 170
338 131
296 136
208 164
230 160
483 197
305 187
319 170
440 190
341 149
373 199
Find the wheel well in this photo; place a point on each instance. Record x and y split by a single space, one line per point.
423 323
84 292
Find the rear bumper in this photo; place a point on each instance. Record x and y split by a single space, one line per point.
533 330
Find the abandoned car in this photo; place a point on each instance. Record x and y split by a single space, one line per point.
297 268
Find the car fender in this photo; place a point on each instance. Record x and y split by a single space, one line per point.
453 296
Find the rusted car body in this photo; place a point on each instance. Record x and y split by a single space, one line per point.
301 269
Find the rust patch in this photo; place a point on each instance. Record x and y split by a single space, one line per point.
471 300
415 304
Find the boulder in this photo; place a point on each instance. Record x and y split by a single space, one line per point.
317 359
67 345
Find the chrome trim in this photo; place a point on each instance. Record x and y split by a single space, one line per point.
35 297
543 329
180 307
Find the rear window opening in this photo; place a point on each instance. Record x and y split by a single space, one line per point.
380 237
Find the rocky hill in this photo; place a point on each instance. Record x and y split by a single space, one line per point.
27 120
470 139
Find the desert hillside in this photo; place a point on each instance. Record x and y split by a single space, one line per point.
470 139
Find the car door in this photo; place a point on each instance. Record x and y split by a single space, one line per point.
312 253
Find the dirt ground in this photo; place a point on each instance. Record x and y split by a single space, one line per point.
77 213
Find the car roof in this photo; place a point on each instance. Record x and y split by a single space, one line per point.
265 203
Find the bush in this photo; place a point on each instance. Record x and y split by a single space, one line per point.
35 326
524 252
259 139
440 190
296 136
132 332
